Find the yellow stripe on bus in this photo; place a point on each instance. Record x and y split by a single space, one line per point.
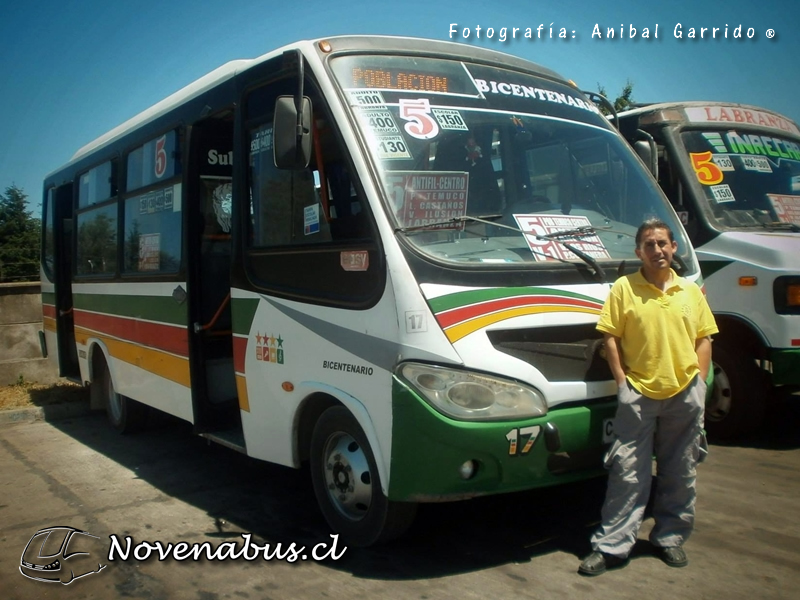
157 362
49 323
456 332
241 388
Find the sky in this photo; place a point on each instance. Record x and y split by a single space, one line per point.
70 70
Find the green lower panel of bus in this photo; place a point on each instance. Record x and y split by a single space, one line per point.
429 450
785 366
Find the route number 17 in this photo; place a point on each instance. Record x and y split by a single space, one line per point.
521 439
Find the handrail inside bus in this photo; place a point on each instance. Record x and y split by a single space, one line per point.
198 328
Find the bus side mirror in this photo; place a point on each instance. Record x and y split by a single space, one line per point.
645 151
292 136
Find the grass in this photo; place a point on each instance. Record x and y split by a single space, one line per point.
26 394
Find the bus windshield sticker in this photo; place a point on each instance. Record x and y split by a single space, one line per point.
786 207
724 162
756 163
450 119
311 219
354 260
379 121
505 88
391 146
707 171
424 197
370 98
735 143
149 251
262 140
722 193
544 224
419 120
157 201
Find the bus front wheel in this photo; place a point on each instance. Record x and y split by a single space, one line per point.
346 483
124 414
737 401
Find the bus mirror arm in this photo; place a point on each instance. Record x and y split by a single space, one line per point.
292 133
605 103
682 268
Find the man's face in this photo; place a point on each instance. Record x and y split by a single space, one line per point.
655 250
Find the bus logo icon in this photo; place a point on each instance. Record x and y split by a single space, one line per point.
59 554
269 348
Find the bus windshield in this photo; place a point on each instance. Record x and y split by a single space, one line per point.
483 165
748 179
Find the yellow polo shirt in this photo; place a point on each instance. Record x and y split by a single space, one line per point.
657 332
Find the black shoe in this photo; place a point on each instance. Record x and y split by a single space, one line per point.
674 556
598 563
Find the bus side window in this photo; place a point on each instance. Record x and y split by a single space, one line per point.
305 224
345 214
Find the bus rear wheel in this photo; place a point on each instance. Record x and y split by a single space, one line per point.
124 414
346 483
737 401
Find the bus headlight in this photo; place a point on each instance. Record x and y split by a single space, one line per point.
786 295
473 396
793 295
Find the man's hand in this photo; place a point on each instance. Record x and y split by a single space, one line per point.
702 348
614 357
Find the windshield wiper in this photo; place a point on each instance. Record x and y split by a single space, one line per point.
584 231
599 274
552 237
462 219
577 232
782 225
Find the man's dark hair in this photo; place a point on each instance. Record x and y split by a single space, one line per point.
652 224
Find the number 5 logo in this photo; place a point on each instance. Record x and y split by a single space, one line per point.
161 156
707 171
421 124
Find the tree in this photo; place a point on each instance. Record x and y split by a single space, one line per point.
20 233
623 101
97 243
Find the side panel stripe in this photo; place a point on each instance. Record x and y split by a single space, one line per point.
456 332
465 313
163 364
168 338
239 353
161 309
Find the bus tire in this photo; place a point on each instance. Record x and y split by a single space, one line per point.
347 486
124 414
737 401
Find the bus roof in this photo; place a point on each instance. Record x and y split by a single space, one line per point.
357 43
719 114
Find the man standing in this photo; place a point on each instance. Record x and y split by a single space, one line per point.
656 327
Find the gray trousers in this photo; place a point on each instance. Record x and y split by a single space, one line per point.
671 429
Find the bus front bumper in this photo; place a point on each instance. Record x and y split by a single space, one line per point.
785 366
436 458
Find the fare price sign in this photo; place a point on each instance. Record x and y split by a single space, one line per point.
546 224
786 207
